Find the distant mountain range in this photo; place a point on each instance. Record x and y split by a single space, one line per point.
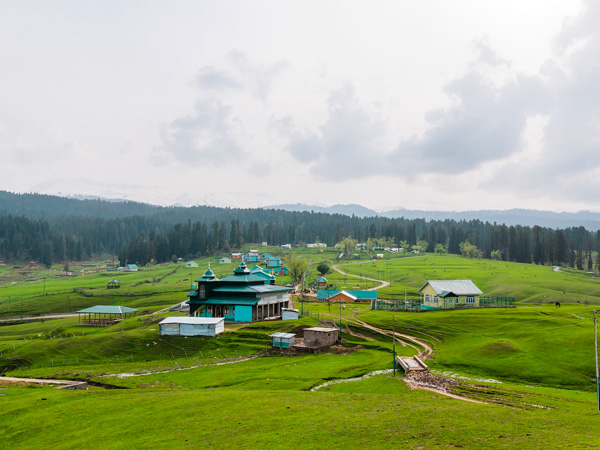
526 217
123 200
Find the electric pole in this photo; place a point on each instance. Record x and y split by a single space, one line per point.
596 349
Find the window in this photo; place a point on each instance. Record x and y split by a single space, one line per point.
470 300
450 301
427 297
201 291
233 310
210 311
226 311
435 299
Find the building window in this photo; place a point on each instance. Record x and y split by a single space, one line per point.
210 310
201 291
470 300
427 298
233 310
435 299
226 311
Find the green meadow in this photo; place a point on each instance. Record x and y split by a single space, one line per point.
529 371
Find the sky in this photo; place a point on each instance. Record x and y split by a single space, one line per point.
429 105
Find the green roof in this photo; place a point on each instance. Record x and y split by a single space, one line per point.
254 289
107 309
236 278
362 295
245 301
209 275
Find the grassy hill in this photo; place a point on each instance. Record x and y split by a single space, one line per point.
531 366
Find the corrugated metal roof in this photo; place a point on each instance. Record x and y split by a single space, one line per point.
193 320
107 309
244 301
243 278
261 288
283 335
347 294
458 287
363 295
321 329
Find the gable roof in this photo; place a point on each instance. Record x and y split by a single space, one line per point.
457 287
362 295
107 309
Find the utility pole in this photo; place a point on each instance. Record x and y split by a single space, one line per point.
596 348
340 320
394 341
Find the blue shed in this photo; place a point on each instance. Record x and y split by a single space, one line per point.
284 340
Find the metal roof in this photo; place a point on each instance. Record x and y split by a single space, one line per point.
458 287
107 309
283 335
244 301
363 295
347 294
321 329
243 278
193 320
261 288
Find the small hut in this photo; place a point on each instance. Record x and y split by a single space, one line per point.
191 326
284 340
289 314
322 283
113 284
320 337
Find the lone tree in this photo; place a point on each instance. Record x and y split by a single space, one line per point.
298 268
496 255
421 246
439 249
323 268
468 250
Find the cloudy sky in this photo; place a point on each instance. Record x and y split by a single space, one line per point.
419 104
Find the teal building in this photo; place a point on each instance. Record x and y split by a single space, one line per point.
240 297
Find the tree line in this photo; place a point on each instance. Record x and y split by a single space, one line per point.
142 239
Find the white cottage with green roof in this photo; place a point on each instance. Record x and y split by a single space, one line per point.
240 297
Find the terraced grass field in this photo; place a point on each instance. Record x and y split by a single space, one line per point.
523 377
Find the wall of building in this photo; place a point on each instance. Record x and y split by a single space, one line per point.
243 314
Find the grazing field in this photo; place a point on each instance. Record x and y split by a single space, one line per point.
522 377
526 282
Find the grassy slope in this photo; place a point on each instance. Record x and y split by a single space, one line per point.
262 401
376 413
525 282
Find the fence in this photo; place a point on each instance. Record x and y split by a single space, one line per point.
416 305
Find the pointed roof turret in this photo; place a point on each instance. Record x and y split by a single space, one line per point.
242 269
209 275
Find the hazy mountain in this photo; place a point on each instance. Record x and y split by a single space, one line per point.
526 217
347 210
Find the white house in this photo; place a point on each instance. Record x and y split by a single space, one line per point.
192 326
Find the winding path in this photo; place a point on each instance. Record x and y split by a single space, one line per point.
424 349
381 286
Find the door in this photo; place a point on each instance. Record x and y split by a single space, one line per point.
218 312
